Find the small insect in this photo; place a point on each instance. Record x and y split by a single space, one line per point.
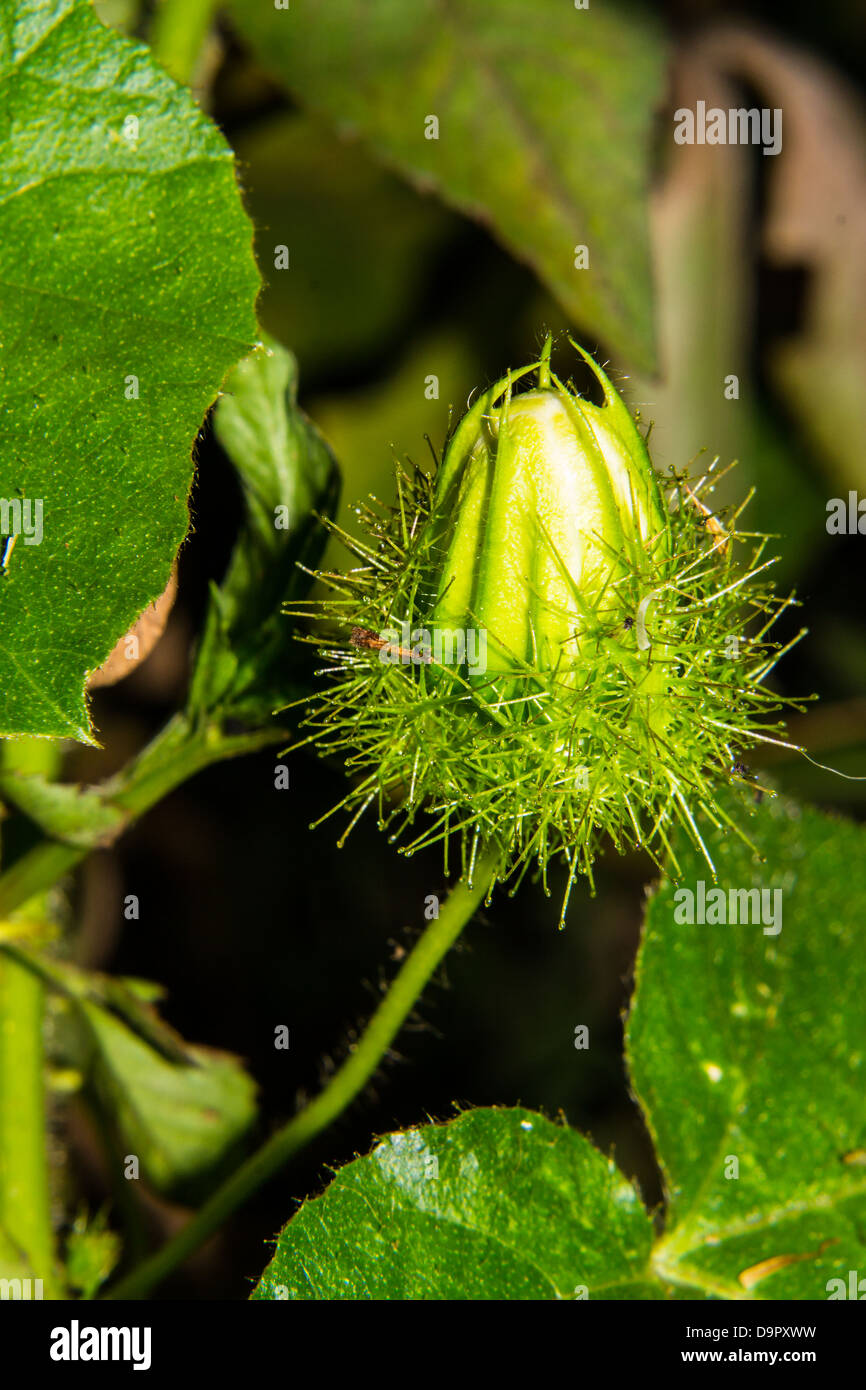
362 637
743 770
628 624
365 639
711 521
757 792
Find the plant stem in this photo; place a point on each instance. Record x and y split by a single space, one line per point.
34 872
179 30
25 1181
178 752
355 1072
25 1204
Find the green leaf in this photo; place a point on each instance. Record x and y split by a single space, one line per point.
544 126
494 1204
92 1252
248 658
181 1110
753 1046
74 814
124 253
182 1121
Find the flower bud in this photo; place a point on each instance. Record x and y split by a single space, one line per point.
545 507
545 647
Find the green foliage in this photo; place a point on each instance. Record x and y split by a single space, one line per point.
754 1045
544 126
92 1251
742 1045
74 814
182 1110
495 1204
248 658
180 1119
127 290
124 253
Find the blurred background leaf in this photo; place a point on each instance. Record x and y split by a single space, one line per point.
92 1252
183 1122
543 126
703 214
815 224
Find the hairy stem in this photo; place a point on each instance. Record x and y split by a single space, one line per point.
355 1072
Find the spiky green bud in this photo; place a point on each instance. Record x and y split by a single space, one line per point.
545 646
